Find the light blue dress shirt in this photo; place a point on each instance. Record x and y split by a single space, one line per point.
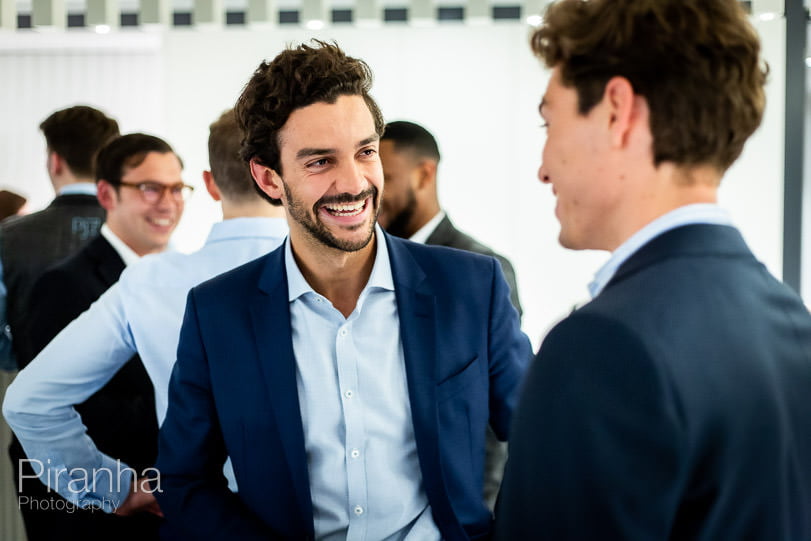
365 478
699 213
7 358
142 313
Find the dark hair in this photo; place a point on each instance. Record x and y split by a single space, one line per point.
231 174
296 78
126 152
76 134
696 62
10 203
413 137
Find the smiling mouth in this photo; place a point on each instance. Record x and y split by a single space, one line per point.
346 209
161 222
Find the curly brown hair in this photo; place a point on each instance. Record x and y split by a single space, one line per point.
696 62
296 78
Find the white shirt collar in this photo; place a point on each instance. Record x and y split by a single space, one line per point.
700 213
380 277
425 231
84 188
125 252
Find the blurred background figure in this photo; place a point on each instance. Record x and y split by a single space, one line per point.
140 187
33 243
10 204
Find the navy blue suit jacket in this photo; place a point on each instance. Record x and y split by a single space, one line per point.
233 392
675 405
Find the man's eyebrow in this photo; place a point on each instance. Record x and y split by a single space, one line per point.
307 152
311 151
371 139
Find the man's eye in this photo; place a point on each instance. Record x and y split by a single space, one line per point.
150 189
318 163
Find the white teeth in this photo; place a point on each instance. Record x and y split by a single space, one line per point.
352 209
162 221
346 208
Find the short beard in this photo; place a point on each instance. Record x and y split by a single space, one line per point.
318 231
399 224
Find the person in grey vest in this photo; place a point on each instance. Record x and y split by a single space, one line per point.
410 209
32 243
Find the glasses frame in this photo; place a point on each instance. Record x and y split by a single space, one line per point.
185 190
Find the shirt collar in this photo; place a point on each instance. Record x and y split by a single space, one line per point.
700 213
83 188
125 252
240 228
379 278
425 231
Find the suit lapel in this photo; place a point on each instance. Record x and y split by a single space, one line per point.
270 318
106 261
444 233
418 327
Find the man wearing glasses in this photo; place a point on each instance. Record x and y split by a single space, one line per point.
139 184
141 313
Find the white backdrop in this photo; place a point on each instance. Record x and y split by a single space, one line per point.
475 87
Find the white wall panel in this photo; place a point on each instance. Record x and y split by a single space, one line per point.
477 88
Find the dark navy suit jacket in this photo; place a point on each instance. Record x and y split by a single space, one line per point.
233 392
675 405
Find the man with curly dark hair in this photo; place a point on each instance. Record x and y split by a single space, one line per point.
349 375
675 404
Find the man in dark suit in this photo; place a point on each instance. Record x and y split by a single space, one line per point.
410 209
675 404
348 374
139 186
32 243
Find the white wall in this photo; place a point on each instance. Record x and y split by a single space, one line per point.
476 88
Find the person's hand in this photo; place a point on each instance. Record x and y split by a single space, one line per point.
139 500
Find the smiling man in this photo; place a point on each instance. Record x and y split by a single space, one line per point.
675 404
348 374
139 185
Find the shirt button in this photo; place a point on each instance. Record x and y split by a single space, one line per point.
358 510
348 394
355 453
343 332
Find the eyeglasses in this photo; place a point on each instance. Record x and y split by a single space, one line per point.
152 192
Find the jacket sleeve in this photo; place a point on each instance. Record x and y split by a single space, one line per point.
39 406
193 493
509 352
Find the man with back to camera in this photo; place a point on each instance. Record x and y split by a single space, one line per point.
410 209
140 314
352 389
675 404
139 185
30 244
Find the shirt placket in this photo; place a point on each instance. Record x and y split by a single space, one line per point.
347 358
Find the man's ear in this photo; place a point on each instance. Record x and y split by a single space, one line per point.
106 194
623 109
267 179
426 174
211 186
56 165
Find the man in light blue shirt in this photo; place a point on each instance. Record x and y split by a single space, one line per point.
32 243
140 314
351 390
